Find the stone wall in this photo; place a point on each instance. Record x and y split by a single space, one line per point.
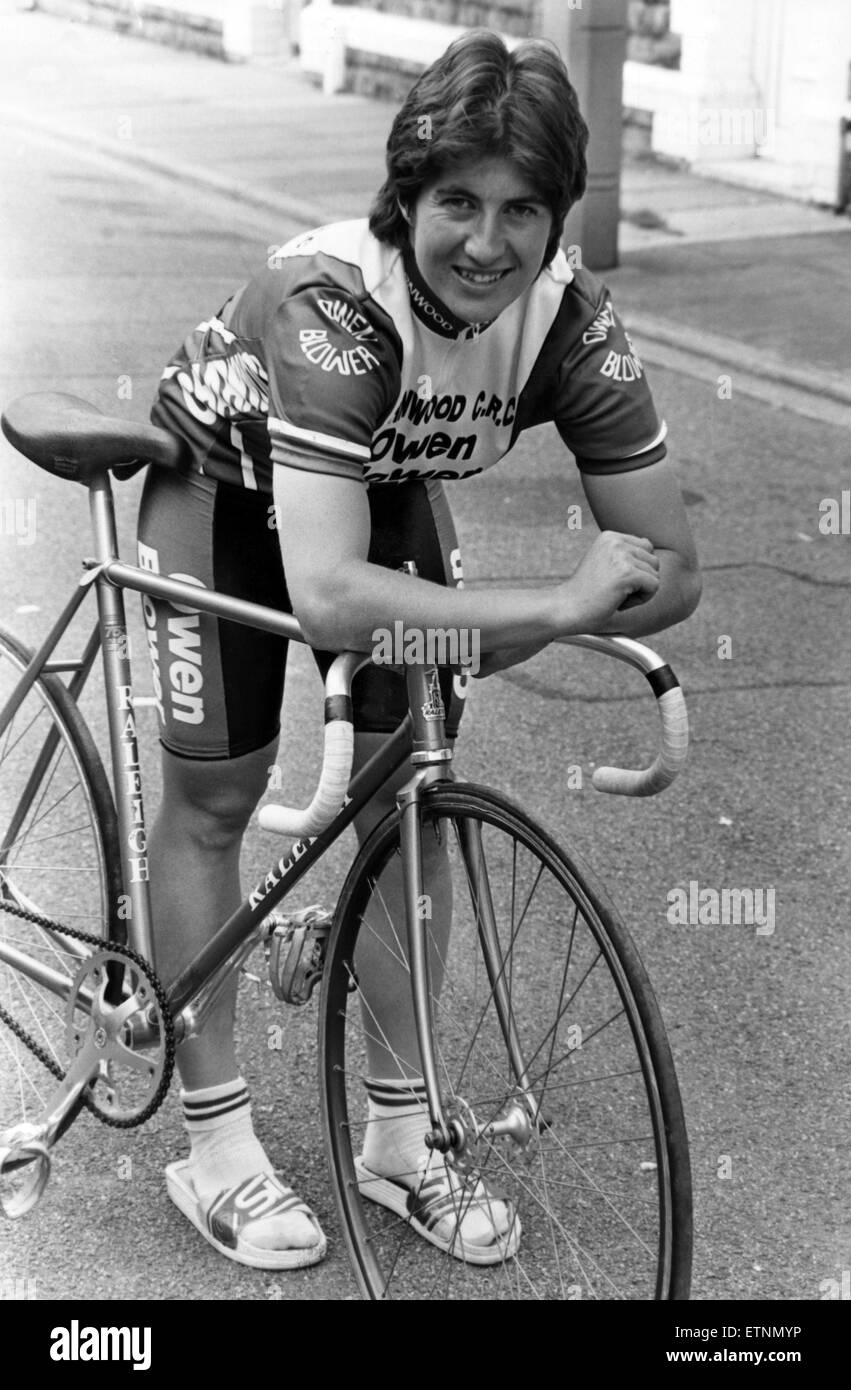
649 38
521 17
231 29
648 41
176 25
199 24
372 75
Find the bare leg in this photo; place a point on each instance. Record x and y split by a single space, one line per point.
392 1048
194 850
461 1216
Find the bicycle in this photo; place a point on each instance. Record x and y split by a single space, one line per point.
545 1067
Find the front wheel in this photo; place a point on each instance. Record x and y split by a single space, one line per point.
552 1060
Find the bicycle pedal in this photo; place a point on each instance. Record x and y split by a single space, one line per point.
295 952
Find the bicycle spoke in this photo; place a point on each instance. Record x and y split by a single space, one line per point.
550 1127
35 1015
57 830
568 1238
29 840
7 750
23 1073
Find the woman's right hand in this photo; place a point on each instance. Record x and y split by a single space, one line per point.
618 567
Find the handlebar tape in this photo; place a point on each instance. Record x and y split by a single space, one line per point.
333 782
672 755
672 711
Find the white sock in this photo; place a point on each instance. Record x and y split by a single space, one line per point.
394 1147
227 1152
398 1121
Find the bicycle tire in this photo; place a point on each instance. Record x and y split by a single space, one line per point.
57 827
591 1225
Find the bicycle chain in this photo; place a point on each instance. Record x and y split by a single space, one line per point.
167 1022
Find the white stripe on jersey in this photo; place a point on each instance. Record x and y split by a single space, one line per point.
249 477
215 325
663 430
322 441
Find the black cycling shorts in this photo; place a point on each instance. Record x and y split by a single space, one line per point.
219 685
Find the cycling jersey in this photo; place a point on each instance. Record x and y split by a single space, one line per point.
218 685
338 359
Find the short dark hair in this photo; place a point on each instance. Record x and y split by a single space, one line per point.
480 100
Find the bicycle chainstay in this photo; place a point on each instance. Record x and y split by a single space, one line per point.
167 1022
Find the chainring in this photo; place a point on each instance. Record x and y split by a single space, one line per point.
115 1007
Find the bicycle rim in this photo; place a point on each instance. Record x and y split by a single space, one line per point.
58 858
598 1181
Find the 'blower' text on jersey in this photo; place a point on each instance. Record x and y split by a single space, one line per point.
338 359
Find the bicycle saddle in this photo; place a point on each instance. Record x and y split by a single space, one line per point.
73 439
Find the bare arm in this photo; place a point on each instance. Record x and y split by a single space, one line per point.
649 503
340 599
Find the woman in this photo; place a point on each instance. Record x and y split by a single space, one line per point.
368 363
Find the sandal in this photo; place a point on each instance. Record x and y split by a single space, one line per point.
225 1222
436 1209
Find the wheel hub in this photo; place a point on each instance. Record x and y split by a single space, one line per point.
514 1126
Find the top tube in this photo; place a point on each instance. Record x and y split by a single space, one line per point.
204 600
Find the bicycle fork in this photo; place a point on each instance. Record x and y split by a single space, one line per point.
522 1118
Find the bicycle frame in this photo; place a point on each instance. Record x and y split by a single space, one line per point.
421 737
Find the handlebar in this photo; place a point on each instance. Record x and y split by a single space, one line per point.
339 737
672 711
337 758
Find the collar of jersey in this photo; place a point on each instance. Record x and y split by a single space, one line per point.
432 311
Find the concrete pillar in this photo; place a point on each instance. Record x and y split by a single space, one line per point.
322 43
719 113
592 39
813 98
255 31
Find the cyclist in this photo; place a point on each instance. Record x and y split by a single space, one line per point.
323 408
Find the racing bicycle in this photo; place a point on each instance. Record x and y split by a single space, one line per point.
545 1069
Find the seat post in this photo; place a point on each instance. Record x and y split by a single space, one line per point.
122 726
102 511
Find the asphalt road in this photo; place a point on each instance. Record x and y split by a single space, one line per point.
102 274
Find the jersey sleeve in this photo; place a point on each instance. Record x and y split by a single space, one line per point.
603 410
334 374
